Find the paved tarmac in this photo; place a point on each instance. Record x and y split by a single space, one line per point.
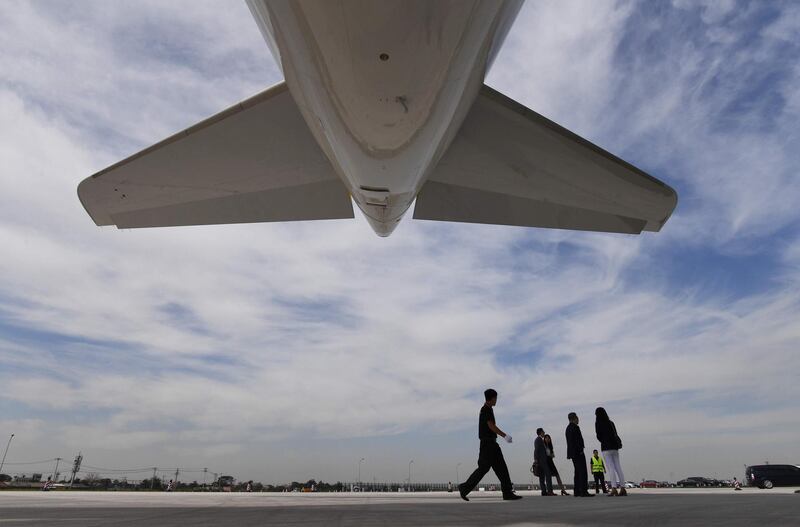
641 507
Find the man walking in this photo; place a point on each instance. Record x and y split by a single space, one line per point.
490 456
540 458
575 453
598 471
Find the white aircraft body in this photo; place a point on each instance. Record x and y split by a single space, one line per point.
384 103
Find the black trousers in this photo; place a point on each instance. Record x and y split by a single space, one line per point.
545 477
490 457
599 482
581 481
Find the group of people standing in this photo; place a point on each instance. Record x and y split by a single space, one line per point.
491 456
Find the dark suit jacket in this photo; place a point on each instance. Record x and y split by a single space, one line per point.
574 441
539 451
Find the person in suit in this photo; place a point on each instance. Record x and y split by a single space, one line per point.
575 448
540 458
490 456
610 444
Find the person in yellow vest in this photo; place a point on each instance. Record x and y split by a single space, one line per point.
598 471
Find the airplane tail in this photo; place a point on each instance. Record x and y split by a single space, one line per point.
254 162
509 165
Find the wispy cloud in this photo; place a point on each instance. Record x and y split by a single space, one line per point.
294 348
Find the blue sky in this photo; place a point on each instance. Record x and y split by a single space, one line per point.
290 351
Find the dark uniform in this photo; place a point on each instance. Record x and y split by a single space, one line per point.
541 459
490 455
575 448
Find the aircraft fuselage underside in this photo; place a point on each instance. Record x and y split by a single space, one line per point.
384 86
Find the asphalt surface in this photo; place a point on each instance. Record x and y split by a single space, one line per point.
641 507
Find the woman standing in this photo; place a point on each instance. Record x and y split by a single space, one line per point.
610 444
548 444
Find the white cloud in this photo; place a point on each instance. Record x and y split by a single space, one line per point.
558 60
320 338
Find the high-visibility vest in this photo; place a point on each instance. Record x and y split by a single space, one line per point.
598 465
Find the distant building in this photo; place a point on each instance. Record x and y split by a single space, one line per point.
226 483
22 478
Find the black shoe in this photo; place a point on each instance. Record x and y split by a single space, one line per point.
511 497
587 495
463 493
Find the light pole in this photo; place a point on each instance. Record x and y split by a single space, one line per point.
359 472
409 474
76 467
458 480
6 452
55 472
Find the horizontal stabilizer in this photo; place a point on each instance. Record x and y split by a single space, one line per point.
255 162
445 202
508 165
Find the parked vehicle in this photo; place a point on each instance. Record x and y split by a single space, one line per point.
695 481
649 484
768 476
630 485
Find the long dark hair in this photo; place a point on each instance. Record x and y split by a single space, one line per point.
601 415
